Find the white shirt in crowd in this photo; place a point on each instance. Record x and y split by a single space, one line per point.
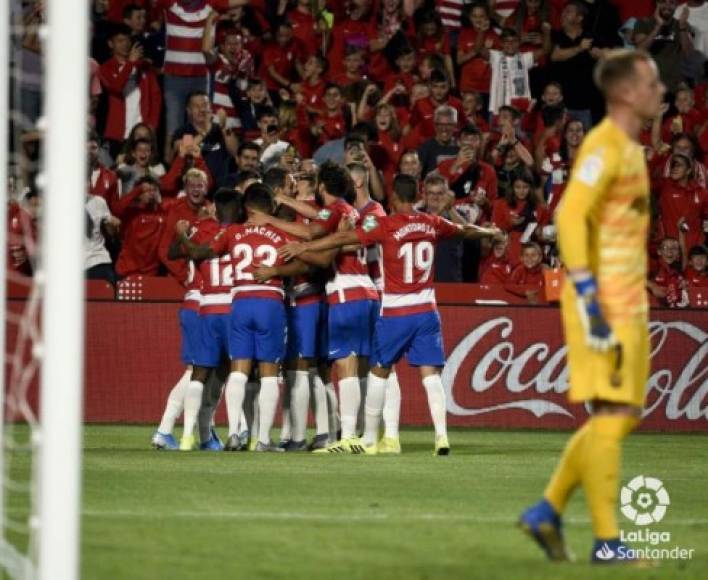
510 78
96 252
698 19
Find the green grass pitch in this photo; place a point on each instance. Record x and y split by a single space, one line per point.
173 516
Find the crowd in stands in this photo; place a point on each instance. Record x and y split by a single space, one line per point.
486 103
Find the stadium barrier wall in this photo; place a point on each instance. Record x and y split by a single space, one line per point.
506 367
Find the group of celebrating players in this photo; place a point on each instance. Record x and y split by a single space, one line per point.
313 280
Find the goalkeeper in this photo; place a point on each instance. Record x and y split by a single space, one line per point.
602 223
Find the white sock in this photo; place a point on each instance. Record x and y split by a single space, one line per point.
286 426
235 394
349 401
319 399
360 413
373 408
250 408
332 411
436 401
392 406
242 423
299 403
267 405
192 404
175 404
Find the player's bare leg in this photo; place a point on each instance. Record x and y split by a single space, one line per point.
163 439
267 405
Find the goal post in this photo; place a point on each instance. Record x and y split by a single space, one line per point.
62 274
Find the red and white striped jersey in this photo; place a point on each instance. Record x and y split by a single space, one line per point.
249 247
201 232
223 72
450 12
373 208
184 29
407 243
216 273
351 279
307 288
557 169
505 8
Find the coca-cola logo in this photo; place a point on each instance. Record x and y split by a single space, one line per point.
499 363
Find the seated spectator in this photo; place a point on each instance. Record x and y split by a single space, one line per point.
215 143
439 200
102 181
528 273
495 269
473 181
696 273
143 219
443 145
140 161
681 199
100 224
22 232
520 214
246 159
133 92
423 110
667 283
272 146
686 120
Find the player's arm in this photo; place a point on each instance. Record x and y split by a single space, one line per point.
194 251
591 176
303 231
331 242
472 232
175 251
292 268
301 207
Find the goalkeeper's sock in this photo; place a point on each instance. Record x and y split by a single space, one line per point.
567 475
349 401
373 407
332 410
600 470
175 404
235 393
267 405
392 406
362 398
192 403
436 401
319 399
299 403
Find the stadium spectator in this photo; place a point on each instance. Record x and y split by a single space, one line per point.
22 232
188 157
687 118
474 43
215 143
306 27
282 61
247 159
528 273
271 145
313 86
432 39
443 145
423 110
698 21
191 207
100 224
251 105
350 29
667 283
696 272
667 39
335 118
682 200
135 17
102 181
556 167
140 161
142 222
440 201
495 268
573 57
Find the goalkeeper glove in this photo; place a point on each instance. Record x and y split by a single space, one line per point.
598 333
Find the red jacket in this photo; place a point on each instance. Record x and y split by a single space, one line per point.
141 228
696 278
117 78
676 202
180 210
104 182
522 276
494 271
170 182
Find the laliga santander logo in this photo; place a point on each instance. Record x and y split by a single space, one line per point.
504 365
644 500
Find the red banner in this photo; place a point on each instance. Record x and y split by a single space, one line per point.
506 367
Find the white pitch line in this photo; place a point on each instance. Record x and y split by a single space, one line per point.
368 517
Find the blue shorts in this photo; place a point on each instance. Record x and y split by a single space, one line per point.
213 344
351 326
189 325
418 336
258 330
304 334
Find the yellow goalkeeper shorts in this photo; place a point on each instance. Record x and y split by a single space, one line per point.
611 376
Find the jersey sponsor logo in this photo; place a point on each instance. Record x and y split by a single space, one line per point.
324 214
370 223
590 169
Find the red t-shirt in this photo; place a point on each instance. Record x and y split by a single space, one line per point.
676 202
696 278
407 243
475 74
217 273
283 59
424 110
523 276
494 271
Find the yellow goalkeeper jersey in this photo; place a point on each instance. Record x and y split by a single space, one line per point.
603 220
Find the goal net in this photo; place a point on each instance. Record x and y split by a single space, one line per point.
43 54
